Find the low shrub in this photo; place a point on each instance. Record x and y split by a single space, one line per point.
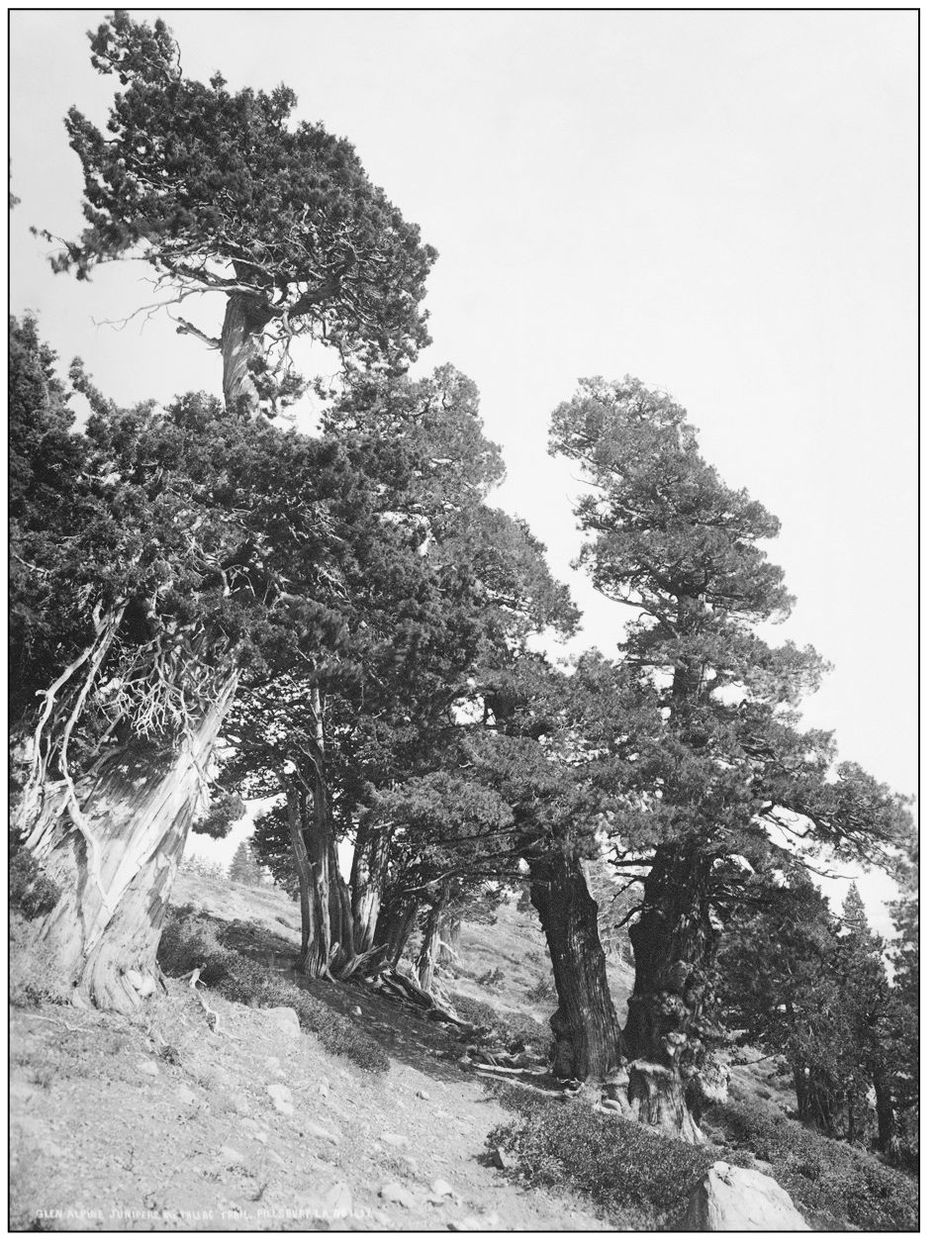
32 891
492 977
190 941
623 1168
836 1184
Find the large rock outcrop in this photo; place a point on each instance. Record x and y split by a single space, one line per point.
729 1199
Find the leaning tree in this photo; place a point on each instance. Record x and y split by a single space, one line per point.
171 553
215 192
731 777
218 192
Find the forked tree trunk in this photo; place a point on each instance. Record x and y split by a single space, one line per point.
342 952
114 853
326 920
395 927
310 839
585 1026
430 948
241 344
674 945
369 863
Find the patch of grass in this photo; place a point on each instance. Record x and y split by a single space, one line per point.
836 1184
542 991
190 941
35 978
510 1029
637 1177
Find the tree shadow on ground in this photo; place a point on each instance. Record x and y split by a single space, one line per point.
400 1028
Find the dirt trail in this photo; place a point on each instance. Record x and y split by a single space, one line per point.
253 1126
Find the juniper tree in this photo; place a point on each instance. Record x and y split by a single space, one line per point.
438 585
221 191
174 552
732 774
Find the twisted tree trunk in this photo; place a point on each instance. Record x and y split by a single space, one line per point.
369 864
674 945
326 918
584 1026
113 848
430 949
394 927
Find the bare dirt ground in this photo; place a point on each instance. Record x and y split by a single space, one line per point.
162 1122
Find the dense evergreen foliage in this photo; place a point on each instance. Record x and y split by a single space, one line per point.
208 610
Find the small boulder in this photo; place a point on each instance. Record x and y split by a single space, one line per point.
395 1192
150 1067
281 1098
441 1188
228 1155
317 1131
187 1096
284 1019
422 1094
395 1140
357 1011
729 1199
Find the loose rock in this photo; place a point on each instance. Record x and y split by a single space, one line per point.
394 1192
729 1199
281 1098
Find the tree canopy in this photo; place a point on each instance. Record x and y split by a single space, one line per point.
220 190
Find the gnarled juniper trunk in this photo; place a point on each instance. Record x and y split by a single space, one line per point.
430 948
674 944
326 922
396 921
585 1027
369 865
114 852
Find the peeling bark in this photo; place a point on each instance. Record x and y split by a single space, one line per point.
369 864
114 853
430 949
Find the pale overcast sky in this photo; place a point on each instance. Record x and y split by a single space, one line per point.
720 203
